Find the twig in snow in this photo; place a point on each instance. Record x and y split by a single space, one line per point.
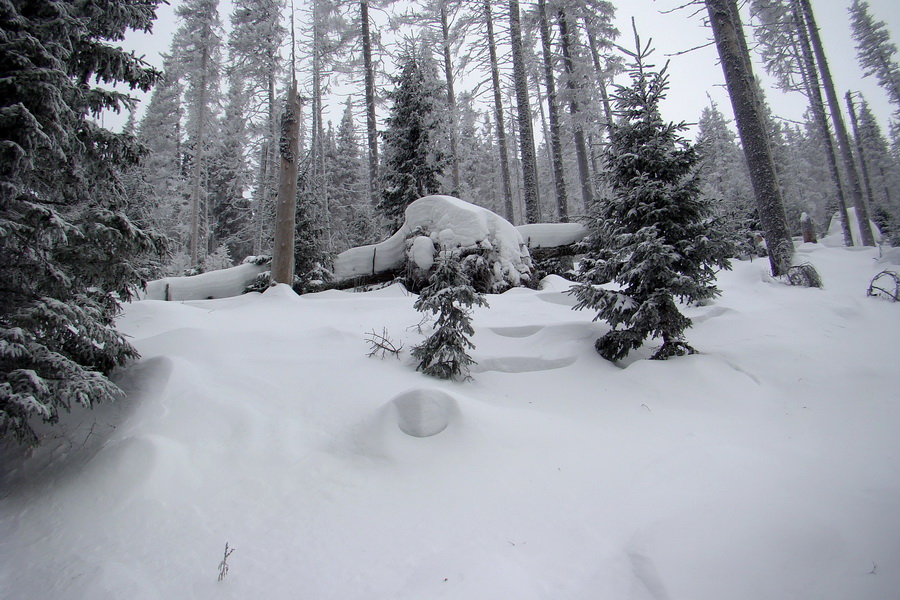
223 566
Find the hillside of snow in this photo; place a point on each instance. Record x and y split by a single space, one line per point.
765 467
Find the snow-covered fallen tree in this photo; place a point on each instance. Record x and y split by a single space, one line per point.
552 235
492 249
215 284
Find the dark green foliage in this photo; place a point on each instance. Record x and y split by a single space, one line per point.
654 236
413 160
449 296
68 255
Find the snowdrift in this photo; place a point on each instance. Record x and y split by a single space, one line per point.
207 286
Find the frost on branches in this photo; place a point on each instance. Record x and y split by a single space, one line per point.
451 298
654 237
68 254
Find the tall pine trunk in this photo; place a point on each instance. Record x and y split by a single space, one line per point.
286 203
601 81
581 155
498 115
811 80
860 149
371 123
526 133
747 106
198 162
862 213
562 202
451 99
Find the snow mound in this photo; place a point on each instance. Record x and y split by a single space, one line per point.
424 412
446 222
835 236
206 286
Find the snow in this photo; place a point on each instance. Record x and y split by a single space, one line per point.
835 235
767 466
214 284
449 222
551 235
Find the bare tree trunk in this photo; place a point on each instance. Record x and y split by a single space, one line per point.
262 193
562 201
862 213
526 134
198 161
371 123
811 79
498 114
286 204
601 82
747 106
584 171
451 99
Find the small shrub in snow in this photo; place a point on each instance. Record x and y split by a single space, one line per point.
223 566
450 297
380 343
885 285
804 275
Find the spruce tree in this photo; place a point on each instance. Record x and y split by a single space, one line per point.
875 51
68 255
450 296
413 160
653 236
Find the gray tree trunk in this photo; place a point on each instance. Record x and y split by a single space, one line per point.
811 80
601 82
371 123
860 149
498 115
562 202
862 213
451 99
286 203
747 106
584 171
526 133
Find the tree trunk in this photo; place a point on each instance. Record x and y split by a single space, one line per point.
811 79
371 123
498 115
747 106
526 134
584 171
562 202
451 99
862 214
198 162
286 204
601 82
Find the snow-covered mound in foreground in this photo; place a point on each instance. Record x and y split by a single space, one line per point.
448 223
766 467
224 283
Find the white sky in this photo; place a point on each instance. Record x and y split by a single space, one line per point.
692 76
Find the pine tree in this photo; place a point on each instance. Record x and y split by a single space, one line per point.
875 50
413 160
449 296
654 236
68 255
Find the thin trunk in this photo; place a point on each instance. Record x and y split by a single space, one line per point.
198 161
601 81
860 151
584 172
286 204
451 99
526 134
498 114
862 214
562 202
262 192
371 123
811 80
747 106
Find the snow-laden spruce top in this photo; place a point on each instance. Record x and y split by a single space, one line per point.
450 223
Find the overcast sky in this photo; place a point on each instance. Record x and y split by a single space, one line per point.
692 76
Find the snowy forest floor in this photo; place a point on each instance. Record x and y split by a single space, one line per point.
767 466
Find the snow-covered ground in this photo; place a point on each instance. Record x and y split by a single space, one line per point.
766 467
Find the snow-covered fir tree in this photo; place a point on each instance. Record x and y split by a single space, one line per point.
413 160
450 297
653 236
875 51
68 255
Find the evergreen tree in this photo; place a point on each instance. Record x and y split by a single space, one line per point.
67 253
884 170
449 296
413 160
875 50
654 236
